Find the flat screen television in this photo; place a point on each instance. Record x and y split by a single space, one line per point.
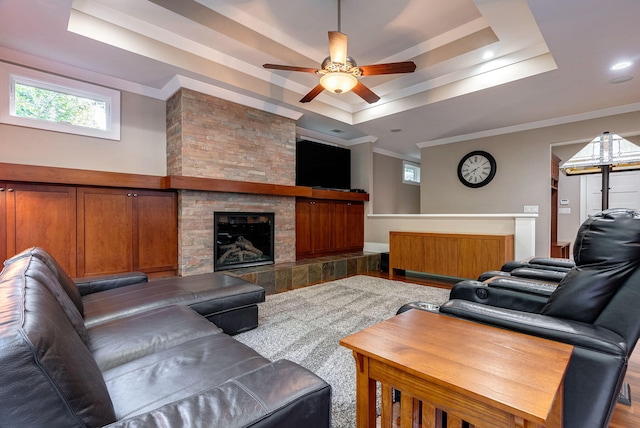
322 166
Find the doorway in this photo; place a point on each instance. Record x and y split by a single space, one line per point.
624 192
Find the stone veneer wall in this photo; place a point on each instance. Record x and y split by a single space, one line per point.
212 138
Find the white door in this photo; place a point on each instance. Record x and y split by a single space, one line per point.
624 192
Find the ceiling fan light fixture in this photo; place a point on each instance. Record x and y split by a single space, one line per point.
338 82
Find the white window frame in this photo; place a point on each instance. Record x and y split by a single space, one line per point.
11 74
415 167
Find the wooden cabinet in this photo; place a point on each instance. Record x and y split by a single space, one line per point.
313 227
39 215
122 230
328 227
456 255
349 226
155 225
561 250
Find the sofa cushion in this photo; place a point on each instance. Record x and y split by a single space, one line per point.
207 294
281 394
47 371
61 276
119 341
190 368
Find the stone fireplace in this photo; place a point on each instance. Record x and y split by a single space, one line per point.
212 138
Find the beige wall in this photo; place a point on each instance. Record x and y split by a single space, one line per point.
141 149
392 196
361 164
523 172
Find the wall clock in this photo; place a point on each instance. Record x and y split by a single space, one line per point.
476 169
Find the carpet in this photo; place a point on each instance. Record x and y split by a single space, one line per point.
305 326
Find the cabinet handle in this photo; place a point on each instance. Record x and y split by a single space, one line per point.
1 189
9 190
135 195
129 195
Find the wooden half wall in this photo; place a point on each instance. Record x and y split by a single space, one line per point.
522 226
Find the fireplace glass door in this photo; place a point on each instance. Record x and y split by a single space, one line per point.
243 239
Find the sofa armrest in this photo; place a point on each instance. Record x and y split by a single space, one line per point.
523 285
553 261
574 333
539 274
480 292
93 284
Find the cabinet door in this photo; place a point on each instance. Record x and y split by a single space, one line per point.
348 226
322 225
303 228
355 226
314 227
105 237
42 216
155 228
340 226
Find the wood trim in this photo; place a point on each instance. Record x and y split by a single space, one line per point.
231 186
80 177
338 195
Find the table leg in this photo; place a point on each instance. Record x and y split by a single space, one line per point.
365 394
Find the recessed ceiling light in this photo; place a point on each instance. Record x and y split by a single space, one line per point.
621 65
488 55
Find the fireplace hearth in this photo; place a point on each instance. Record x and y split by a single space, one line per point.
243 239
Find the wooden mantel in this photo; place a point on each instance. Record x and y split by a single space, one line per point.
81 177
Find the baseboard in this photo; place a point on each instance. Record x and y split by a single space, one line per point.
376 247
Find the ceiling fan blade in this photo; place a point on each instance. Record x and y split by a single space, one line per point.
365 93
389 68
290 68
338 46
312 94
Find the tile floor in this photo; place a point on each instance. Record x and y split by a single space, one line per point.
288 276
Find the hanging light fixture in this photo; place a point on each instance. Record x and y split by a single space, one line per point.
338 82
339 72
606 149
604 154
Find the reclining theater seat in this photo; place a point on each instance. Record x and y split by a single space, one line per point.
594 308
165 367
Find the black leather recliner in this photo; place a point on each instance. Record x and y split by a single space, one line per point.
594 308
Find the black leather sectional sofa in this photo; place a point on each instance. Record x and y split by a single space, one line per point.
141 354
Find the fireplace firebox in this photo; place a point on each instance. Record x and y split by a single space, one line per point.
243 239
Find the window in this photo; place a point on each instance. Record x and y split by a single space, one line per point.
410 173
38 100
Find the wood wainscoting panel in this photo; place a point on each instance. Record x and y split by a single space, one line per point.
449 254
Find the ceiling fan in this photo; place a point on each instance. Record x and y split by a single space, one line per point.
339 72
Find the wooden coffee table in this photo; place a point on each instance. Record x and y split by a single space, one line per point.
486 376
